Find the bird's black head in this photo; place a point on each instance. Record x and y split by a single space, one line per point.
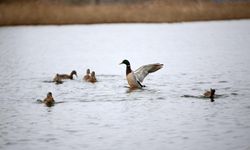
49 94
212 92
126 62
92 74
88 71
73 73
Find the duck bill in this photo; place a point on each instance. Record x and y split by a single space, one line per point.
120 63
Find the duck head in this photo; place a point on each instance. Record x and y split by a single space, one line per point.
49 94
212 91
73 73
88 71
126 62
128 68
92 74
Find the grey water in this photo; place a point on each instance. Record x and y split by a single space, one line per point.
167 114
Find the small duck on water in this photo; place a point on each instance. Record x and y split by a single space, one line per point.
49 100
135 78
92 78
210 94
87 76
60 77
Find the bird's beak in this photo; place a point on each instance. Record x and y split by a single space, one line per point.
120 63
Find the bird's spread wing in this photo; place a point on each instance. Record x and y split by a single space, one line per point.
143 71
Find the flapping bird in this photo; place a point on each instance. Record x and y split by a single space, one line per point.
135 78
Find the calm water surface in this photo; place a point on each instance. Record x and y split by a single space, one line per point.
107 115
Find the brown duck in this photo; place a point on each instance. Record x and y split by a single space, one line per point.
87 76
60 77
49 100
210 94
92 78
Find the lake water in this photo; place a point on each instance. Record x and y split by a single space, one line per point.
107 115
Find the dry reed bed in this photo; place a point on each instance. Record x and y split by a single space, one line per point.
43 13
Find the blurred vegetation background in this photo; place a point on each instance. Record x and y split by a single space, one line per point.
39 12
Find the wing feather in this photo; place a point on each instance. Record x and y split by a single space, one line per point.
143 71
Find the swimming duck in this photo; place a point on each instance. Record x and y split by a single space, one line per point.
92 78
49 100
87 76
210 94
135 78
59 77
